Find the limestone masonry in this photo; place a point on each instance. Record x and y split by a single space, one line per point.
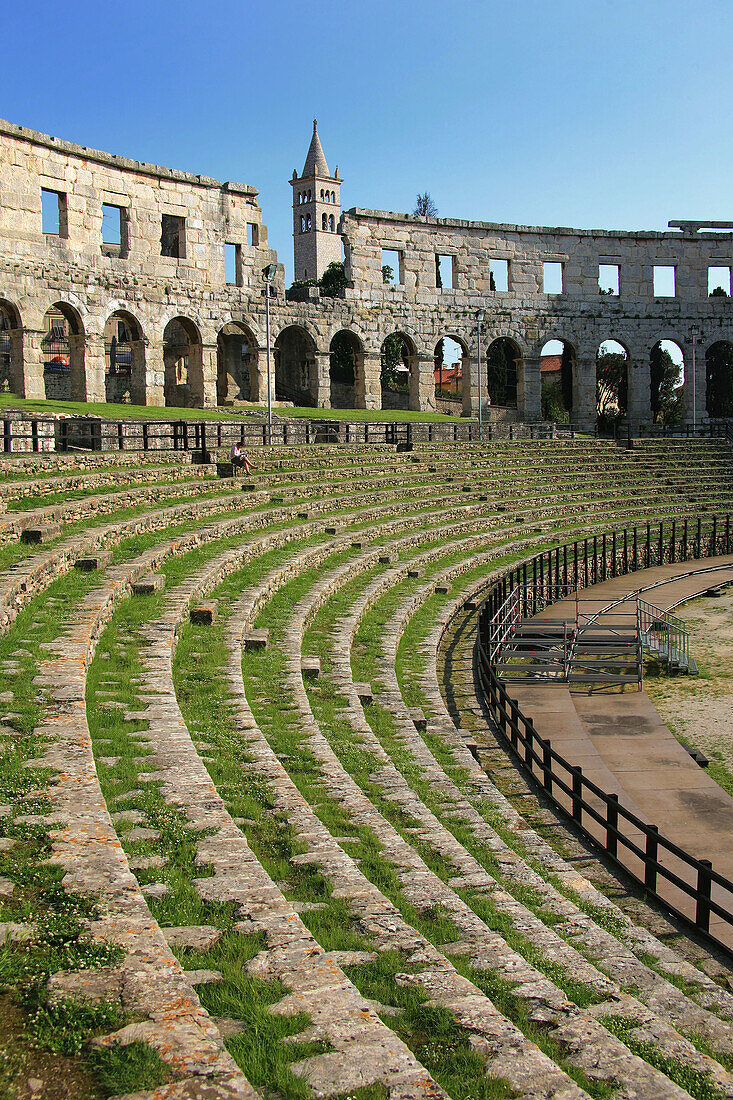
125 281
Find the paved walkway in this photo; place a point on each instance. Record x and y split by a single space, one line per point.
623 746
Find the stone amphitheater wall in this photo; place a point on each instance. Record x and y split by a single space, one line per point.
89 281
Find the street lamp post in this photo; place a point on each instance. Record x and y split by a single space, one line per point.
479 321
694 333
269 274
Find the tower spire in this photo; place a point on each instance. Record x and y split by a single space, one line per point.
316 213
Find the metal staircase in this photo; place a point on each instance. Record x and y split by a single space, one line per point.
664 636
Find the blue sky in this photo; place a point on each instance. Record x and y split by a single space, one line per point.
591 113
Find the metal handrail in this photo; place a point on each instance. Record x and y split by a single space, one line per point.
674 637
585 563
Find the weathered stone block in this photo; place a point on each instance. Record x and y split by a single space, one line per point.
386 559
365 693
149 584
418 719
204 613
42 533
442 588
310 668
100 560
415 571
225 469
258 638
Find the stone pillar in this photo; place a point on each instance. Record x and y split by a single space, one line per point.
208 353
33 384
639 409
698 373
422 383
154 392
137 372
322 393
529 390
258 375
470 372
16 362
369 380
584 393
86 354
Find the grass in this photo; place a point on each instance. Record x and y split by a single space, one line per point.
110 411
699 1085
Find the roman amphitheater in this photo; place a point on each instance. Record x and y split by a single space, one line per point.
339 778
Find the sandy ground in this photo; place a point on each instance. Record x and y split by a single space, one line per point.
700 709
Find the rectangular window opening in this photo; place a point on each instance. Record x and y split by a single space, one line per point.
719 282
499 274
53 213
392 267
173 236
609 279
253 233
552 277
113 227
664 281
233 264
444 272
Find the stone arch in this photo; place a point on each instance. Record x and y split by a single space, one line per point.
558 379
613 363
124 358
504 372
346 371
398 374
237 359
719 380
296 374
62 347
449 357
11 348
183 364
666 381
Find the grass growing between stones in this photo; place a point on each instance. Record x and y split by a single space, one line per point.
276 720
52 921
699 1085
167 857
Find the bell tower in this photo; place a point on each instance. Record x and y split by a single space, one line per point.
316 213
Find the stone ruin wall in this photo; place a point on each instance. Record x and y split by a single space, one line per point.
93 281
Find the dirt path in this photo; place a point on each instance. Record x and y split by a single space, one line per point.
700 709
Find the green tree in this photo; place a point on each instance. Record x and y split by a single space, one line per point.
501 372
553 405
425 206
611 386
342 367
394 354
664 376
387 274
719 379
333 280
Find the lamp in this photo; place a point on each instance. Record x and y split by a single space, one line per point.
269 273
480 315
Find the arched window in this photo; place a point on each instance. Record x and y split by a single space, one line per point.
333 196
331 223
308 222
321 194
324 221
302 224
309 194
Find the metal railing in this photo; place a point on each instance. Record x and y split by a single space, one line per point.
664 635
662 867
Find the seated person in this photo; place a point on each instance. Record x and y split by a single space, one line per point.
239 458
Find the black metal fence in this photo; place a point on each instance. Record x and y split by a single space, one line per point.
687 886
92 434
